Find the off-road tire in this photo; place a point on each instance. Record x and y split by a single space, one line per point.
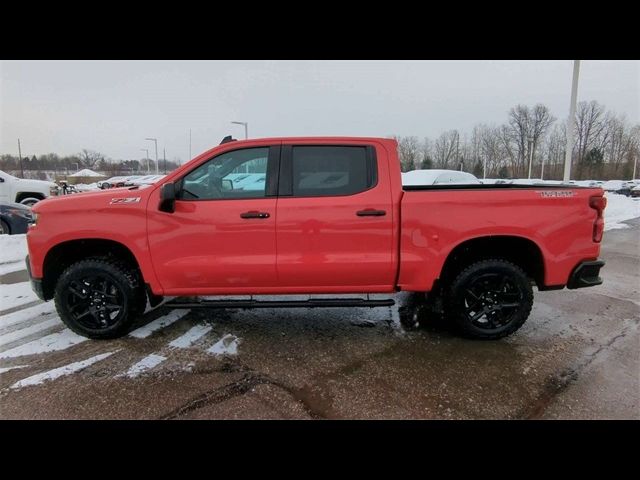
131 292
457 293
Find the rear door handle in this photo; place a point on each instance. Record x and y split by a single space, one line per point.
370 212
254 214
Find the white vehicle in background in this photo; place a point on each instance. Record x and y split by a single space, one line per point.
147 179
438 177
25 191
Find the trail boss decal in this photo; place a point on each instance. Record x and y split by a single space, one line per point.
118 201
555 193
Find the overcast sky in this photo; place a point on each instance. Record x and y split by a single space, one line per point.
111 106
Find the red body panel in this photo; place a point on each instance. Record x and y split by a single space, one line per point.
316 244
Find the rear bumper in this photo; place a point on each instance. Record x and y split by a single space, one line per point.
36 283
586 274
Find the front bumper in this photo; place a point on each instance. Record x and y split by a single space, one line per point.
586 274
36 283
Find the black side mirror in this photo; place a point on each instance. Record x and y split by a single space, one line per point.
168 198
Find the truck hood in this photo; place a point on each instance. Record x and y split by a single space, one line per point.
95 199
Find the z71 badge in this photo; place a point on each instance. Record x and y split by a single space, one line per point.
555 193
118 201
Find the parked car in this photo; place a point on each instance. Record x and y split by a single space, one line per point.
635 191
25 191
332 217
14 218
117 182
618 186
437 177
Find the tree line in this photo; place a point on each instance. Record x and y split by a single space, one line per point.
606 146
66 165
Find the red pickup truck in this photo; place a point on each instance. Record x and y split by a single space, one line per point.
282 216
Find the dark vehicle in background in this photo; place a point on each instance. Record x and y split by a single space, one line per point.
14 218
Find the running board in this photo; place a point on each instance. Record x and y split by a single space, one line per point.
310 303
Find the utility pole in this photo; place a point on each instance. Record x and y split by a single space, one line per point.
570 122
155 141
20 159
164 157
542 170
530 155
246 128
635 165
147 158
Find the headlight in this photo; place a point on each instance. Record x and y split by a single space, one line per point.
34 219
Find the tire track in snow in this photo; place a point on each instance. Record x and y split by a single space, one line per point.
159 323
65 370
147 363
50 343
14 336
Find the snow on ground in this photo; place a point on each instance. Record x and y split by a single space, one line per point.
193 335
25 314
54 342
13 250
16 294
16 335
159 323
60 371
147 363
227 345
619 209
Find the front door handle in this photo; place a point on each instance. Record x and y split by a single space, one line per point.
370 212
254 214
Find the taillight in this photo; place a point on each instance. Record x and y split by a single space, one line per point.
598 204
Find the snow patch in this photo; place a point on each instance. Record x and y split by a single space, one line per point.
16 294
50 343
26 314
159 323
16 335
193 335
13 248
59 372
619 209
227 345
147 363
6 369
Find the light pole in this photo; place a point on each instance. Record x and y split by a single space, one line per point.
542 170
570 122
635 165
530 140
155 140
146 158
246 128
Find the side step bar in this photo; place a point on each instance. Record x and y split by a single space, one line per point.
310 303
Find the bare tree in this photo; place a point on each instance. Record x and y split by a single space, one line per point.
409 152
90 158
591 131
527 124
446 149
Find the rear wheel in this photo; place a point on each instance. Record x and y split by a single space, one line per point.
490 299
99 298
4 228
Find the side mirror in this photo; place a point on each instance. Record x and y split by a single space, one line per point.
168 198
227 184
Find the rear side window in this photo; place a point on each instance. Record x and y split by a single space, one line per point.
331 170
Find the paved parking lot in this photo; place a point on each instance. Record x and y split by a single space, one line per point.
577 356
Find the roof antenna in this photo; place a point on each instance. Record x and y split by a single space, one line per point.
228 139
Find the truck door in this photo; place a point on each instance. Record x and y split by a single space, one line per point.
221 236
335 218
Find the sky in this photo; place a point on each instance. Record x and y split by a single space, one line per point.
112 106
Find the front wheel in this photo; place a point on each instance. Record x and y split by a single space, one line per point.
490 299
99 298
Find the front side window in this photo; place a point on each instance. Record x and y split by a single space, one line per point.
236 174
329 170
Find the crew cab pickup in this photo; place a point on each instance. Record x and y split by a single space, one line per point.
25 191
291 216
